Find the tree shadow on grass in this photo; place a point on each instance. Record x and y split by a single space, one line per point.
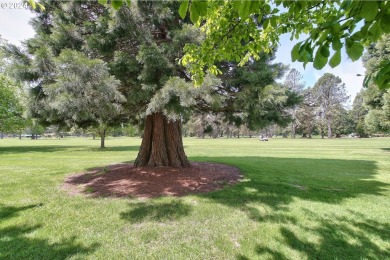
340 238
16 241
60 148
36 148
156 211
276 182
271 184
115 149
11 211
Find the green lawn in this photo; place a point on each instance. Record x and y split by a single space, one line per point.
300 199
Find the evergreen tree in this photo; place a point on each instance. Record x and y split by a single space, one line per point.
142 45
306 115
330 94
358 114
343 123
293 83
11 111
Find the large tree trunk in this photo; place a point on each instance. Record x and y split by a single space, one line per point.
162 144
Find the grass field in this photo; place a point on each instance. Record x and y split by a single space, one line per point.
300 199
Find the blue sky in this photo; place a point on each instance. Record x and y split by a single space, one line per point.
347 70
14 27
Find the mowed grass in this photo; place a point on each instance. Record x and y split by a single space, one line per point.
299 199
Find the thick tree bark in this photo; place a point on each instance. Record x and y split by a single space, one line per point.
162 143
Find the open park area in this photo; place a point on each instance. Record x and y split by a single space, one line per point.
199 130
297 199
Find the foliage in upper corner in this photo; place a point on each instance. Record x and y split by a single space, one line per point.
377 101
34 4
238 30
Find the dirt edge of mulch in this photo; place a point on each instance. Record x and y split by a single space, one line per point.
125 180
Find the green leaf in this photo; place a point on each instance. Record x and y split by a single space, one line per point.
348 43
319 60
183 8
295 52
324 49
41 7
355 50
245 8
375 31
323 36
273 21
202 7
345 4
335 60
266 24
116 4
305 53
384 22
314 34
382 78
197 9
266 8
336 44
369 10
236 5
194 14
32 4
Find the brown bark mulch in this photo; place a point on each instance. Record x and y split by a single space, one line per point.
125 180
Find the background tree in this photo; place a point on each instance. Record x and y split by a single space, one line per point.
11 111
330 94
34 129
377 101
294 84
358 114
83 94
343 123
306 114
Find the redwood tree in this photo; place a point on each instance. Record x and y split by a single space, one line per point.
142 45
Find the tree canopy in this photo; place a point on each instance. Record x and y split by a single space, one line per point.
11 111
377 101
239 30
141 45
330 94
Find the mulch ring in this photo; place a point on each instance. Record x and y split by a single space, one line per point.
124 180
